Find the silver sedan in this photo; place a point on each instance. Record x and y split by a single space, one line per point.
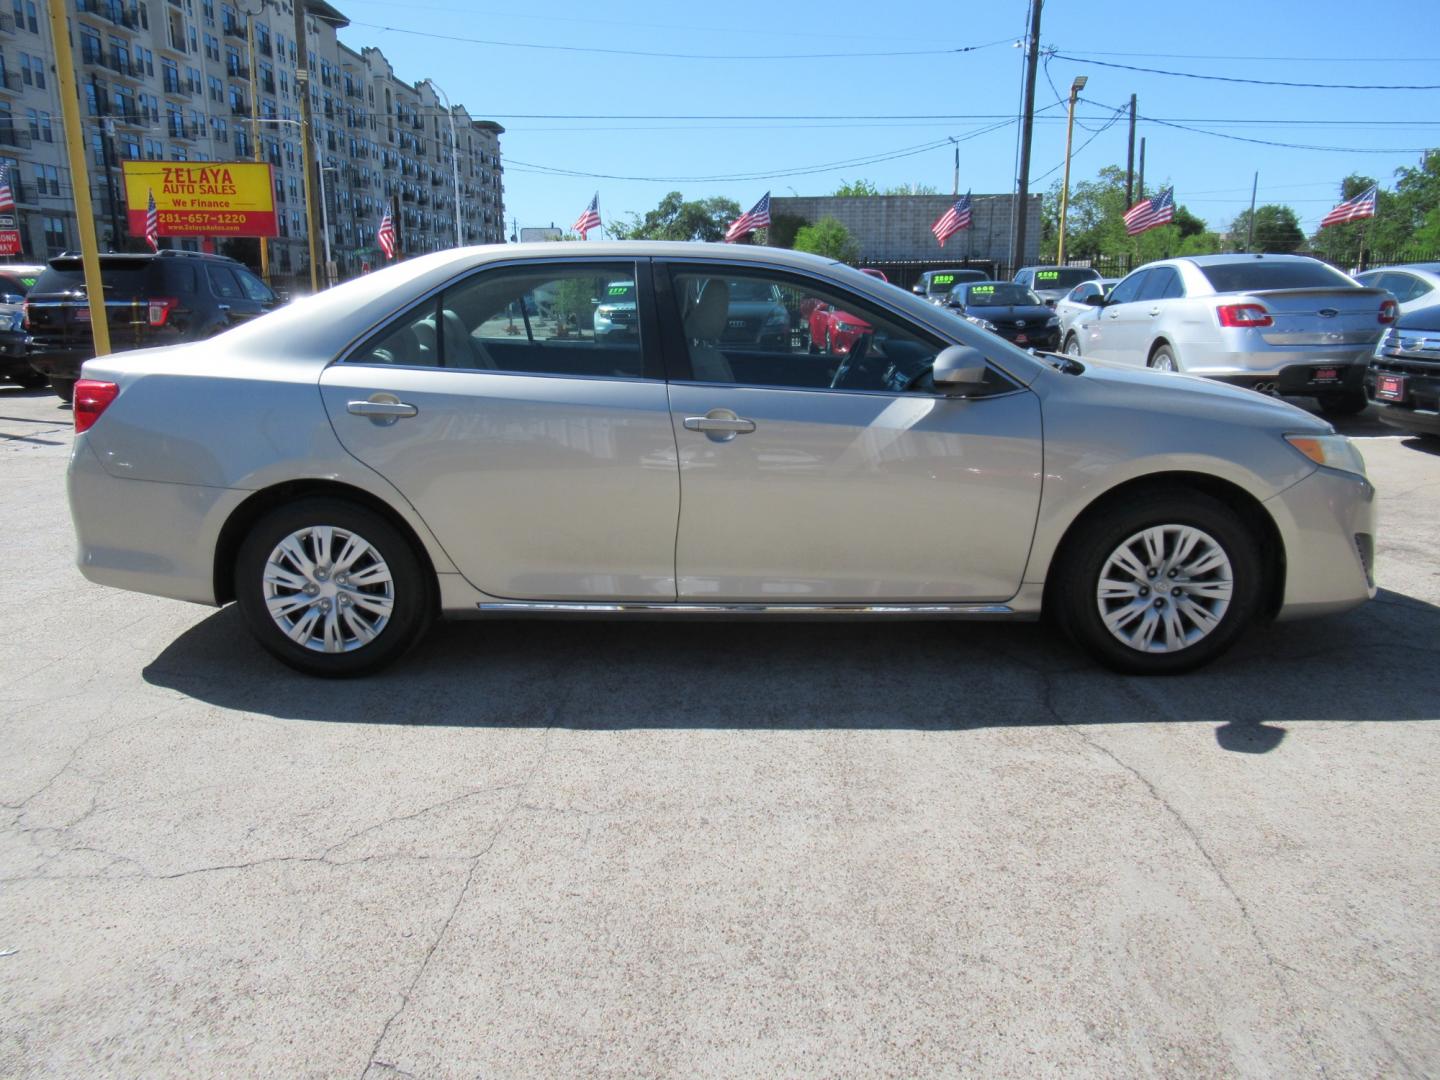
430 439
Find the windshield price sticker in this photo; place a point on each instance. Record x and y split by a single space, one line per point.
982 289
619 290
943 279
1047 275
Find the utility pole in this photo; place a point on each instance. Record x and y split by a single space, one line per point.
1254 187
1130 160
1027 128
399 229
955 187
1140 190
302 81
255 118
79 174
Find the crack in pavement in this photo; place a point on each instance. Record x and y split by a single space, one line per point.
1273 962
510 814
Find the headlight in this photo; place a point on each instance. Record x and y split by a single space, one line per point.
983 324
1052 322
849 328
1332 451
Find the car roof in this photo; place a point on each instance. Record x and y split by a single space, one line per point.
1238 257
1426 267
20 268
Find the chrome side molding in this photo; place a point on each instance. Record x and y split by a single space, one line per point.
926 611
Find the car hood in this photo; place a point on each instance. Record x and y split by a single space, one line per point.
1190 395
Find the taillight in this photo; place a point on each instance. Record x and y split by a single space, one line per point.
1244 315
92 397
1389 312
160 310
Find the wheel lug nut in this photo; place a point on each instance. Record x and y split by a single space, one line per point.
1151 571
1159 602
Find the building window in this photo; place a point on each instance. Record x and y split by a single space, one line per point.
47 179
54 234
154 150
32 70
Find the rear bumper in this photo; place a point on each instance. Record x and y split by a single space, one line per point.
145 536
1327 523
59 363
1299 380
1212 360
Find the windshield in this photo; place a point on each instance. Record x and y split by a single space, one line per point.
1063 277
1250 276
992 294
752 292
943 281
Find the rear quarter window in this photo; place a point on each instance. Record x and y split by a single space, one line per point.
176 277
1257 275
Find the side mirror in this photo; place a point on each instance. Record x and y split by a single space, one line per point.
958 368
1094 300
918 290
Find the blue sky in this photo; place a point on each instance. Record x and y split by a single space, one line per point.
1212 175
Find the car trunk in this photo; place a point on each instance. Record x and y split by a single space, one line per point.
1319 316
59 312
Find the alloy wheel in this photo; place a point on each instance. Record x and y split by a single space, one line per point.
1165 588
328 589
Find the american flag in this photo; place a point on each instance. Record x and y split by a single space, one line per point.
953 220
152 222
7 194
386 235
1361 206
1150 213
590 219
757 217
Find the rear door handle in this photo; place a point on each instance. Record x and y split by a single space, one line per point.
732 425
383 409
223 307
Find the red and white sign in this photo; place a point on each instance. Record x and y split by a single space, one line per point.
10 242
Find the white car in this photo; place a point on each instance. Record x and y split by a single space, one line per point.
1073 304
1414 286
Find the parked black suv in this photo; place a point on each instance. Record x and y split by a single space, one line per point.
150 300
1403 380
16 281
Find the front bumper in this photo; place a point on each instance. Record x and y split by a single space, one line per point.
14 353
146 536
1327 524
1419 409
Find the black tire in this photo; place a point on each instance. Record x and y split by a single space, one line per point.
413 588
1163 359
64 389
1073 599
30 380
1343 403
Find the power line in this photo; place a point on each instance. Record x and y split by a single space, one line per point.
1119 114
1282 59
1251 82
679 55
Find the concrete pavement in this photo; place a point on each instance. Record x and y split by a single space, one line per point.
546 849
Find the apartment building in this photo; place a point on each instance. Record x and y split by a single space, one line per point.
170 80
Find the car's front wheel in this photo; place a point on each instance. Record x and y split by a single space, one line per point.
332 588
1072 345
1160 583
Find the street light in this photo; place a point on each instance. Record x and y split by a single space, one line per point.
1075 88
454 159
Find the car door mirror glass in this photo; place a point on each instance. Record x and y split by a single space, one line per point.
918 289
1093 299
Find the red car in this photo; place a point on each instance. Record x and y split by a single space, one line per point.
835 331
875 273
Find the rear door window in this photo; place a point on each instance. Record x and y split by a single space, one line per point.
223 283
177 278
1255 275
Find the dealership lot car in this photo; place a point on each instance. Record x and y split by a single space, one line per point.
936 285
1403 381
1281 324
1012 311
1414 286
1074 305
16 281
150 300
350 464
1051 283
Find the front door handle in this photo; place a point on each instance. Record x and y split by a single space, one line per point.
382 408
720 425
1154 311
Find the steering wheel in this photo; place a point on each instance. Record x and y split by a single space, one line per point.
914 381
853 360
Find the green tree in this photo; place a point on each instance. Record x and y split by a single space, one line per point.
1406 225
783 228
1277 229
676 219
1095 225
849 190
828 237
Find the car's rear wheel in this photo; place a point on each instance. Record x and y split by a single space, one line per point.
1160 583
1343 403
1162 359
1072 345
64 389
31 380
332 588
